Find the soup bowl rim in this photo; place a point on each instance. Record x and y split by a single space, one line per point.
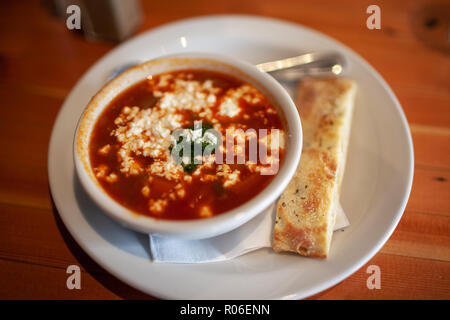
197 228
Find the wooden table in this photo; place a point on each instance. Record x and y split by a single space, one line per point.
40 61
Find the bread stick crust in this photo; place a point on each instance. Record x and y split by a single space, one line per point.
306 210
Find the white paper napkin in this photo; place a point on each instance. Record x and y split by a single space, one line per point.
253 235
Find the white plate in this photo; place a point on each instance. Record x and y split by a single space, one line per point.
375 189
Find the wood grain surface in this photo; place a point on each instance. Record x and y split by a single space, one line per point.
41 60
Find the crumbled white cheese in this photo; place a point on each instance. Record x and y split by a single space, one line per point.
101 170
145 191
205 212
230 177
230 102
229 107
104 150
112 177
274 140
157 206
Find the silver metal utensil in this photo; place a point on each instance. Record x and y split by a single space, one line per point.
309 64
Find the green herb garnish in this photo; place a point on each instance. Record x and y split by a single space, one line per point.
194 141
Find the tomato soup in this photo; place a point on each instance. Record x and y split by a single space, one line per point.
139 160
